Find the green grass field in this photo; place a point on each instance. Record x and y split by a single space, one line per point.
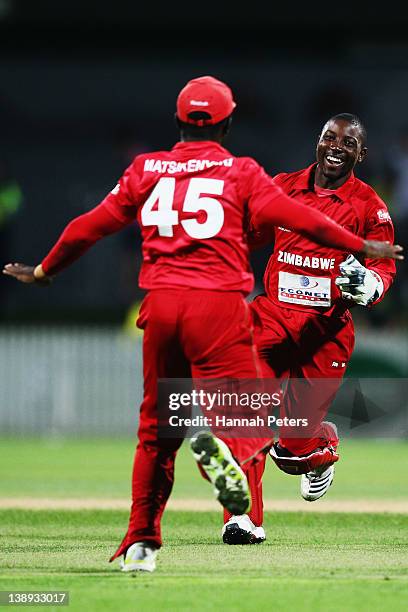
101 468
311 561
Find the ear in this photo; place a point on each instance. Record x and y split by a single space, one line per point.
317 144
179 126
227 126
363 154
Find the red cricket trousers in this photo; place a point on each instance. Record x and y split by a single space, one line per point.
310 353
188 333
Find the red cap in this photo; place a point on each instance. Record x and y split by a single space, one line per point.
207 95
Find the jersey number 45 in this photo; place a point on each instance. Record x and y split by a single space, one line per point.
165 217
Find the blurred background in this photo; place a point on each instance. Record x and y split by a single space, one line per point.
86 86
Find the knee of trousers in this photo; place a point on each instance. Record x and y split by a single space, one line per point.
321 458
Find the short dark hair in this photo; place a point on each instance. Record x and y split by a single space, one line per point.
354 120
202 132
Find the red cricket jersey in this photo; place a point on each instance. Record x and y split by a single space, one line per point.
192 206
300 274
191 203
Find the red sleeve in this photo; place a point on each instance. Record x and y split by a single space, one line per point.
261 238
79 236
122 202
378 226
269 205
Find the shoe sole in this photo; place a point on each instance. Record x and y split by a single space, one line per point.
132 569
231 487
234 535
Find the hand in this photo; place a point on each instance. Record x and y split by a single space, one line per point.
381 250
27 274
359 284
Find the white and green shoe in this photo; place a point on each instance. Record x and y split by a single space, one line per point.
140 557
230 483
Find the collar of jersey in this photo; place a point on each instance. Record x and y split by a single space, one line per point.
199 145
303 183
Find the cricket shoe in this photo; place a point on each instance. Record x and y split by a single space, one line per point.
316 483
230 483
140 557
241 530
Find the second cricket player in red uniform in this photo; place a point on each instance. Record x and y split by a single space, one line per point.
192 203
305 332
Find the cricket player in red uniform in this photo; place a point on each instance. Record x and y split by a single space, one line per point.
192 204
306 331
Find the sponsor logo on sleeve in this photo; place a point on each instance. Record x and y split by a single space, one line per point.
383 216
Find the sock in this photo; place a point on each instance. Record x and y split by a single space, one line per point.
254 475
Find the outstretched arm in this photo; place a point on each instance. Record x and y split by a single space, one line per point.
309 222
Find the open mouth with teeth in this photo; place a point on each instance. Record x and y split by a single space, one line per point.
333 160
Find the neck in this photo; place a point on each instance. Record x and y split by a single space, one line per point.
190 138
323 181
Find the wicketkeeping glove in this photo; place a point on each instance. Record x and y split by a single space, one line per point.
357 283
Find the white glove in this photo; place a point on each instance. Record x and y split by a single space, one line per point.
358 283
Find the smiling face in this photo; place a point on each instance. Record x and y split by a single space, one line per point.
339 148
